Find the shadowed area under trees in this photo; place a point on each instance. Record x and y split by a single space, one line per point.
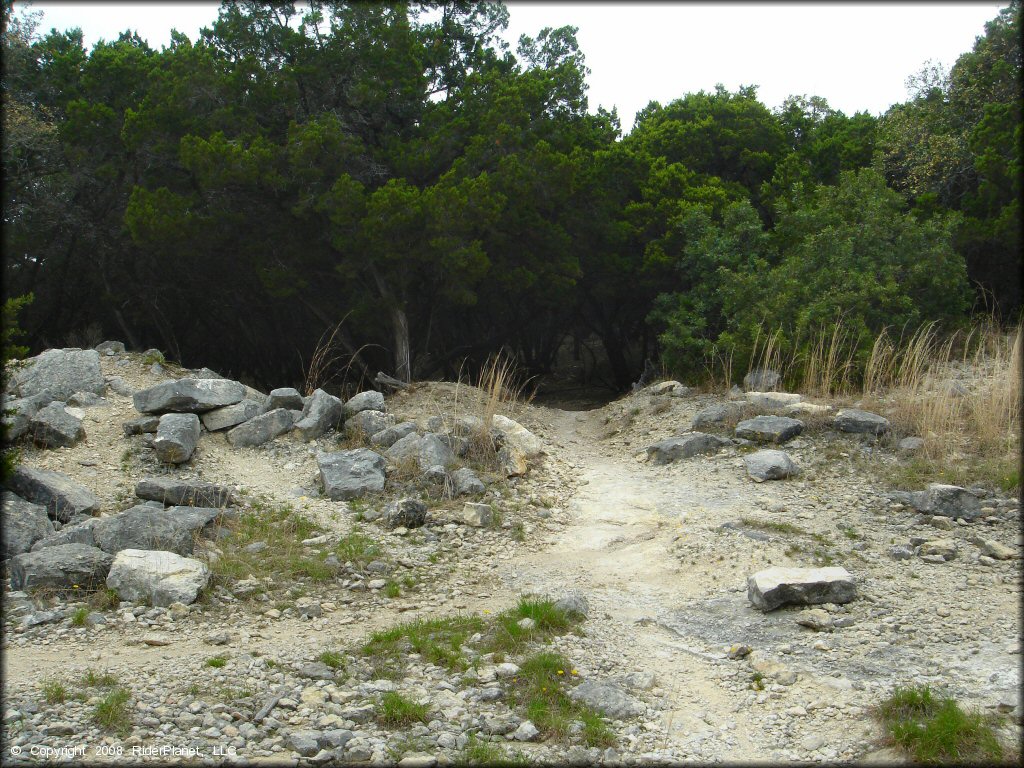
397 170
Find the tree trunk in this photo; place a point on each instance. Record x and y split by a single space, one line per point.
400 324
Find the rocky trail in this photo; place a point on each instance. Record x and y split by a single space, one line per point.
682 665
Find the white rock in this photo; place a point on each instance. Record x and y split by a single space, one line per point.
157 577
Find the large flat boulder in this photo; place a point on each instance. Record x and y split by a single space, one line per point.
157 578
230 415
189 396
18 412
769 465
772 401
24 523
144 527
73 533
61 373
261 429
778 586
54 427
717 413
348 475
769 429
61 495
607 697
68 566
685 447
185 493
951 501
322 412
177 436
858 421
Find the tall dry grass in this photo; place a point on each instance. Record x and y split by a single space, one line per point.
961 393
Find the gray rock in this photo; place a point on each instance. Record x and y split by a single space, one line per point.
944 548
512 433
769 429
427 451
573 605
61 372
189 395
769 465
322 412
171 492
364 401
436 474
717 413
994 549
774 587
388 437
910 445
772 401
64 567
157 578
110 348
61 495
143 527
334 738
526 731
367 423
761 380
315 670
53 427
466 483
261 429
477 515
86 400
607 697
350 474
24 523
901 552
949 501
411 513
18 412
119 386
512 462
856 420
141 425
230 415
284 397
817 619
304 742
176 437
685 447
74 533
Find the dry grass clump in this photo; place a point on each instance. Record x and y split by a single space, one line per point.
962 394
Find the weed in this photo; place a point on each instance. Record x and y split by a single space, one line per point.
216 662
112 712
850 532
397 710
934 728
54 692
193 689
229 694
438 641
79 616
357 548
391 589
518 531
757 681
93 680
770 525
478 752
105 599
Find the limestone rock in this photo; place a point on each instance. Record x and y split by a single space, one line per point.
348 475
515 434
410 513
189 396
171 492
54 427
858 421
144 527
64 567
769 465
261 429
944 548
176 437
368 422
717 414
777 586
140 426
18 412
110 348
322 412
230 415
772 401
761 380
477 515
607 697
465 482
685 447
951 501
388 437
817 619
284 397
61 373
994 549
908 446
364 401
61 495
769 429
156 577
573 605
24 523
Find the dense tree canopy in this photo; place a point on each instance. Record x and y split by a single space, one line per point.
398 170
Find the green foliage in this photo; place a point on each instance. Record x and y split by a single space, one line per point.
79 616
217 662
398 710
332 659
113 712
934 728
438 641
54 691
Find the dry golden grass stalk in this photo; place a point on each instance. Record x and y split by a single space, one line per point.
828 366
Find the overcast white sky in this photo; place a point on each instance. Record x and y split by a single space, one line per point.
857 56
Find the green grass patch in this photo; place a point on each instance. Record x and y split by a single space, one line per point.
217 662
286 559
479 752
79 616
770 525
997 473
934 729
332 659
505 635
112 713
438 641
357 548
539 691
54 692
392 590
93 679
397 710
105 600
